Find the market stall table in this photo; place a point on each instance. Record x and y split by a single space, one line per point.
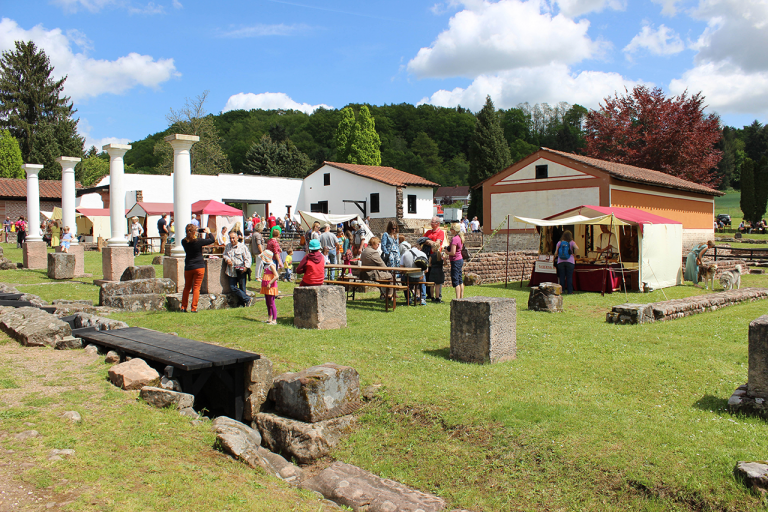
587 277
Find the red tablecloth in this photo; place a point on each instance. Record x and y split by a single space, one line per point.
586 278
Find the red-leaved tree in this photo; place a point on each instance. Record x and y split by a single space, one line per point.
646 129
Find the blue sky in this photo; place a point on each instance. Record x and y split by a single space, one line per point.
130 61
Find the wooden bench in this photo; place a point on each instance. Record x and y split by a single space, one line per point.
353 285
192 362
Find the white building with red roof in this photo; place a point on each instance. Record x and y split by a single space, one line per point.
383 193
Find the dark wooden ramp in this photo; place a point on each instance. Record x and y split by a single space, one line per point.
193 363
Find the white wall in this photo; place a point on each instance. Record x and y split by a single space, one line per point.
345 185
423 202
538 204
555 172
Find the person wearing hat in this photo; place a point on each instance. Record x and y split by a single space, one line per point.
312 265
136 232
269 285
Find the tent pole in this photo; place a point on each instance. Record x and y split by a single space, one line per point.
506 267
605 268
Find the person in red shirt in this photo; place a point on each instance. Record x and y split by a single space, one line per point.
312 266
271 222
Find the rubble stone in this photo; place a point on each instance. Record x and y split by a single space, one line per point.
236 438
753 474
317 393
68 343
161 398
546 297
139 302
483 329
142 272
133 374
303 441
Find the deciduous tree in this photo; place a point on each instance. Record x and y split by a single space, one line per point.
34 109
10 156
92 168
344 134
268 158
488 154
646 129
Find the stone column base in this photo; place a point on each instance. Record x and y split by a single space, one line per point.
320 307
114 261
483 329
215 280
173 269
79 252
35 255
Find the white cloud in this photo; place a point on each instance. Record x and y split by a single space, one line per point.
88 5
87 77
72 6
726 87
574 8
489 37
261 30
668 7
85 129
661 41
551 84
268 101
177 5
150 8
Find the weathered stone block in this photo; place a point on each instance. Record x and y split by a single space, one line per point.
33 327
78 251
757 381
319 307
158 260
137 287
61 265
317 393
138 302
133 374
99 322
114 261
204 303
304 441
631 314
483 329
360 490
173 269
161 398
258 382
142 272
35 255
215 280
753 474
546 297
236 438
68 343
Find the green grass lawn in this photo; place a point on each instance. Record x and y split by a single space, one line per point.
590 416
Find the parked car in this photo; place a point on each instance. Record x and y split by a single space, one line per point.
725 218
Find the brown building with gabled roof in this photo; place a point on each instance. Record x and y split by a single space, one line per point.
13 196
549 181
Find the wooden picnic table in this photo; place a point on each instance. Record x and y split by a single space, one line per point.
193 362
380 284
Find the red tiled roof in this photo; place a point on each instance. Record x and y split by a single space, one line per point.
626 172
452 191
49 189
388 175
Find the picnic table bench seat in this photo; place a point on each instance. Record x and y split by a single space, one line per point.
192 362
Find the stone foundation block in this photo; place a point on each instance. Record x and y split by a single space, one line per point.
483 329
205 302
215 280
631 314
173 269
546 297
69 343
142 272
317 393
138 302
35 255
137 287
61 265
303 441
319 307
33 327
757 375
99 322
360 490
161 398
133 374
258 382
114 261
79 253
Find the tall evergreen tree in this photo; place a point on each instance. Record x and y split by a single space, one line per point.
748 200
366 144
34 109
344 134
488 154
268 158
10 156
761 188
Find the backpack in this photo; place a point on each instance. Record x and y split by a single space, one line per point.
564 251
419 262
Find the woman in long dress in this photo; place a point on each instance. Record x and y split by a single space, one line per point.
693 260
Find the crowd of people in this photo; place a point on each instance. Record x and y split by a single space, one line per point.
752 227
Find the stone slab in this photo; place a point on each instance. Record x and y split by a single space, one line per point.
757 381
753 474
79 252
136 287
205 302
215 280
33 327
161 398
483 329
35 255
173 269
138 302
363 491
318 393
114 261
142 272
61 265
303 441
319 307
133 374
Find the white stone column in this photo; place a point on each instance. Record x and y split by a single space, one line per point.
117 194
182 196
33 202
68 164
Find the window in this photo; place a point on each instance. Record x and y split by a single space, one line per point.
411 203
542 172
326 179
319 207
375 203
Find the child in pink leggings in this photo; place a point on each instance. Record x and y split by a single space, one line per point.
269 285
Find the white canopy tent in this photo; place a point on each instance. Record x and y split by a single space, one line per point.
660 240
307 219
